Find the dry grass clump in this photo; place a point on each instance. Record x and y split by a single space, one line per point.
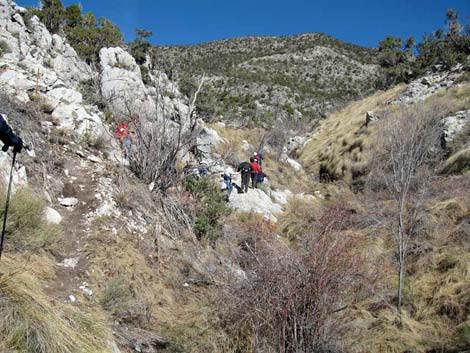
32 323
299 215
341 145
148 295
455 99
457 163
26 227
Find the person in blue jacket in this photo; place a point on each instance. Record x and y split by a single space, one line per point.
9 138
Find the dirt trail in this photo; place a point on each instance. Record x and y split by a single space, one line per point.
81 178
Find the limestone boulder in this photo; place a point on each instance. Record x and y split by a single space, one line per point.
281 197
52 216
70 67
4 12
122 85
208 139
40 35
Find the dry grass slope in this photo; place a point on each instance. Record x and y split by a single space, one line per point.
342 142
31 322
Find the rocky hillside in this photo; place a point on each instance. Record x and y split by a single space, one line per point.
267 78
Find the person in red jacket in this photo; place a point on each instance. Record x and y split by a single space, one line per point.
255 170
121 130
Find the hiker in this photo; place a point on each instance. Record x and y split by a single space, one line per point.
255 170
258 156
121 130
9 138
226 185
127 144
261 177
245 169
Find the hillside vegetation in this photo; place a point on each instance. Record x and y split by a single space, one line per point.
267 78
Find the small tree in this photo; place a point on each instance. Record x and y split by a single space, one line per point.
52 14
409 141
141 47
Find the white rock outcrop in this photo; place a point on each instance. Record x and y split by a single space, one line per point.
122 85
452 125
422 88
257 201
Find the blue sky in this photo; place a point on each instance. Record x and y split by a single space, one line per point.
363 22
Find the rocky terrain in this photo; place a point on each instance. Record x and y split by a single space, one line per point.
102 256
264 79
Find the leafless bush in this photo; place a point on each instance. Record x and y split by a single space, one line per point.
409 144
160 140
291 300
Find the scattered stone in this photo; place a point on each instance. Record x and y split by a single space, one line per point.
68 201
371 117
294 164
87 291
80 153
31 153
95 159
72 298
422 88
52 216
69 263
46 126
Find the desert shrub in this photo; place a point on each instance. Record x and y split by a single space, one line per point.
4 48
210 207
117 298
290 298
26 228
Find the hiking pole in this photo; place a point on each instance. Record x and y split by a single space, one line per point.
7 204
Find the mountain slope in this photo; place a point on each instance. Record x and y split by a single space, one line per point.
266 78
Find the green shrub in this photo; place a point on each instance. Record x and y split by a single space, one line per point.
210 207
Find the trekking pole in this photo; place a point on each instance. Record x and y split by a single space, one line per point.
7 204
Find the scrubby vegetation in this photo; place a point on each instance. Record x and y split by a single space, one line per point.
210 207
444 48
86 34
261 79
